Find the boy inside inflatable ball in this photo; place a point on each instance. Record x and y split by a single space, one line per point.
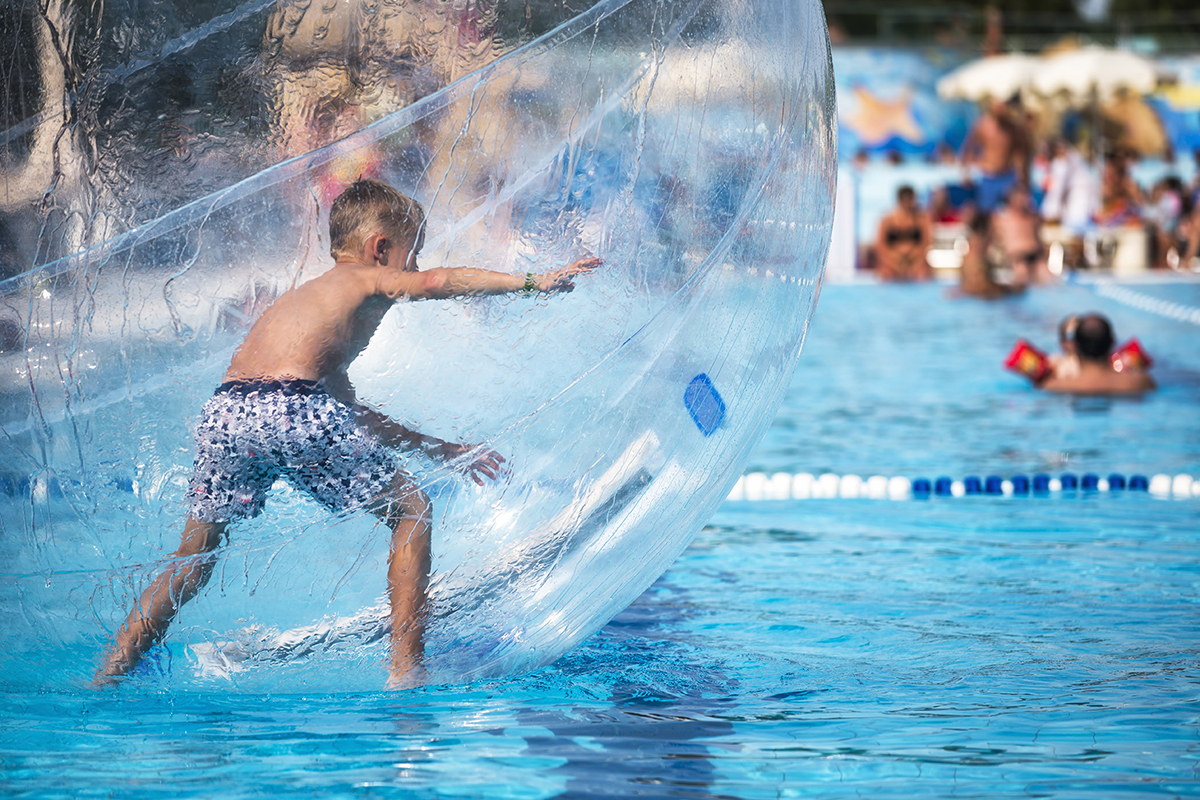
287 409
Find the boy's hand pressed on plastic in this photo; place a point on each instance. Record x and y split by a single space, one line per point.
484 463
487 464
560 279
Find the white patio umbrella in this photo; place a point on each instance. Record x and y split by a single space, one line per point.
999 77
1096 73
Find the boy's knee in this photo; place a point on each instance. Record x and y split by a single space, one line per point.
201 538
407 501
416 503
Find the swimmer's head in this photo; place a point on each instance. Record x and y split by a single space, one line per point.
368 207
906 197
1094 337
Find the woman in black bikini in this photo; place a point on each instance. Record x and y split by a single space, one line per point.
905 235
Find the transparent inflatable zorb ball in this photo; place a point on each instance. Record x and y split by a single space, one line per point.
690 146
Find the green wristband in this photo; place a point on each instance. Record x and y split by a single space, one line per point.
530 283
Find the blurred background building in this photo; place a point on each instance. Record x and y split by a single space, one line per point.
1029 25
111 115
908 99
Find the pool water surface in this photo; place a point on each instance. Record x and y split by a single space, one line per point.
970 647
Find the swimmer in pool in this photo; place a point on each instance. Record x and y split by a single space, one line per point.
287 409
1093 339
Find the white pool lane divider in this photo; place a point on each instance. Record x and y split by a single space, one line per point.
759 486
1140 300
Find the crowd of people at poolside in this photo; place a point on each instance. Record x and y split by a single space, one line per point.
1004 229
1008 221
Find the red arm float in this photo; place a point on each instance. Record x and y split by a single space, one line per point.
1131 356
1027 360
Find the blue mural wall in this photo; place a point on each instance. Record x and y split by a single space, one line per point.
887 101
1178 106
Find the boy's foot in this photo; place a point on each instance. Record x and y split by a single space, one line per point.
409 679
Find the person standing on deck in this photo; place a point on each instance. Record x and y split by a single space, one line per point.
997 152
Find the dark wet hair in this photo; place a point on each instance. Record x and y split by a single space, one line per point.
368 207
905 191
1094 337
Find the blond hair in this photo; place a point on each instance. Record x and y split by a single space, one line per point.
368 207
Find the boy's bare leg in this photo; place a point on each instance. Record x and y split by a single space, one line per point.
148 620
410 514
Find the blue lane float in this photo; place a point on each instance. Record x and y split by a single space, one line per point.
758 486
689 145
1140 300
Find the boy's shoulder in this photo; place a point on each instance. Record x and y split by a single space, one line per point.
342 280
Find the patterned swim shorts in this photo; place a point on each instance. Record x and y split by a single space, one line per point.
253 433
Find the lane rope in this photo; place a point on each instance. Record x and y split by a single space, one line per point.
759 486
1149 303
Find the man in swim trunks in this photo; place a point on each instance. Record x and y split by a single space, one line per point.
287 409
997 148
1017 228
1094 342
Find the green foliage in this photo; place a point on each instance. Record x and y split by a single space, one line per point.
1158 8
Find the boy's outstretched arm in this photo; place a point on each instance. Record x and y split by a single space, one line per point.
446 282
485 463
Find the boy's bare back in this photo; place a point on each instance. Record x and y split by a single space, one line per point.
313 331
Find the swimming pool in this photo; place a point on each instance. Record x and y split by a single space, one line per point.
978 647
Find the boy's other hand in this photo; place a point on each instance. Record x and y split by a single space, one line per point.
483 463
486 463
560 279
